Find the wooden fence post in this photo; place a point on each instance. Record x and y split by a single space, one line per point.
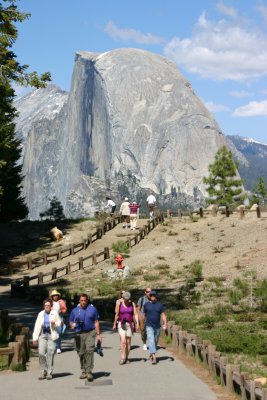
72 249
40 278
223 362
136 238
106 254
44 258
81 263
244 376
230 368
258 211
201 214
26 281
54 273
59 254
29 261
242 212
68 268
16 346
89 238
84 243
252 390
94 259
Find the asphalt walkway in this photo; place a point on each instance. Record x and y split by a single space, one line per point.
168 380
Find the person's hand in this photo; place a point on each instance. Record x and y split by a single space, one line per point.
137 327
72 325
114 327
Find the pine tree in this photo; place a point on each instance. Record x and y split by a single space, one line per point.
223 185
55 211
260 192
12 205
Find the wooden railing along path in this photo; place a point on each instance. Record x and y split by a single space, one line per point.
228 374
65 251
17 351
83 262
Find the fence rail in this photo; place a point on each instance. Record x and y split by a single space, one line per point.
63 252
217 364
17 351
21 285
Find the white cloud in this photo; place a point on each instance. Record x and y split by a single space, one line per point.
226 10
131 35
252 109
212 107
222 50
240 93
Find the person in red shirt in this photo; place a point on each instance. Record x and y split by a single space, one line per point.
134 210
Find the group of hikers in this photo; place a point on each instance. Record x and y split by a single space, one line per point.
129 210
84 320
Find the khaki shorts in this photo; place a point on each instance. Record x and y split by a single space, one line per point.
126 331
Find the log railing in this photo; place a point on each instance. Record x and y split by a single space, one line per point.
66 251
21 285
217 364
17 351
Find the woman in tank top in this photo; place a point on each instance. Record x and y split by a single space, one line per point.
126 315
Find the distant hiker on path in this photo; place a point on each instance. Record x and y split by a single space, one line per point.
110 205
125 213
151 203
140 310
153 311
134 209
59 305
84 319
127 315
45 333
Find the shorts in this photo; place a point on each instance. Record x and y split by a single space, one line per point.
125 332
151 207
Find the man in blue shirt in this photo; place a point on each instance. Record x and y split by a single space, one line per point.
84 319
153 311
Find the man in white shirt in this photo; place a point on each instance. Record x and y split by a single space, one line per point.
151 203
110 204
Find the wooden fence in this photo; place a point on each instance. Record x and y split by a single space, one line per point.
18 350
228 374
21 285
202 212
63 252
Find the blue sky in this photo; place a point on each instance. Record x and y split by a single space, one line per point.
219 46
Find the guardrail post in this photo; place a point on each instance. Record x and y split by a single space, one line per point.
16 346
29 261
223 362
211 361
230 368
89 238
72 249
244 376
26 281
136 238
252 390
94 259
258 211
44 258
106 254
242 212
59 255
129 243
54 273
68 268
81 263
40 278
201 213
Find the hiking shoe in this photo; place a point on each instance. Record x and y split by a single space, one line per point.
49 377
153 359
83 375
43 375
89 377
144 347
121 362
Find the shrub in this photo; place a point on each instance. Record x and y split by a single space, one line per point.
235 296
261 293
195 268
242 286
208 321
120 247
150 278
162 267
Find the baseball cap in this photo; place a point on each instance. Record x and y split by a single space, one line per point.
153 293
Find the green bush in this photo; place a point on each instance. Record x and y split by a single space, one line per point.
150 278
261 293
236 338
120 247
242 286
208 321
235 296
195 268
162 267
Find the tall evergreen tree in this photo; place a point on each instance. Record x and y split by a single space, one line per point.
223 185
12 205
260 191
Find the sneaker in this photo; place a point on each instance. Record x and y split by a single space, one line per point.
49 377
89 377
58 351
83 375
43 375
124 226
144 347
122 361
153 359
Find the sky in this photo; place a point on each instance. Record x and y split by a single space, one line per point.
220 47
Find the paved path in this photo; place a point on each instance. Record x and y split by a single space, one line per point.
168 380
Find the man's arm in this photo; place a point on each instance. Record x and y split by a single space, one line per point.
164 319
98 332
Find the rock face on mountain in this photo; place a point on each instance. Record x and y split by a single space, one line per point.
128 111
